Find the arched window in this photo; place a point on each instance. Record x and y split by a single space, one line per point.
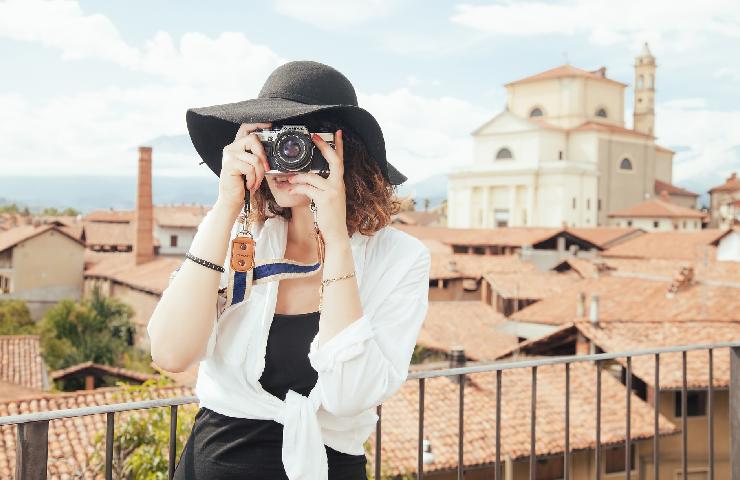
640 81
652 81
536 112
504 154
625 164
601 112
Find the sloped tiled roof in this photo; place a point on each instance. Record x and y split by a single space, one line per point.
711 270
413 217
504 236
592 126
677 245
463 265
732 184
102 369
184 216
565 70
637 299
626 336
672 189
13 236
605 237
530 285
469 324
400 418
152 276
71 440
21 362
657 208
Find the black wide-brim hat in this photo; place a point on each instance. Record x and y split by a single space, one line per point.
292 90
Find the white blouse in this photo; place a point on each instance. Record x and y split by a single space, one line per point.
358 369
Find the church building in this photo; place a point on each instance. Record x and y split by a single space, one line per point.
561 155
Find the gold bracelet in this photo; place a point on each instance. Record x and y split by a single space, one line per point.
327 281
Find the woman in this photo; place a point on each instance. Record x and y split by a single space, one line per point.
289 377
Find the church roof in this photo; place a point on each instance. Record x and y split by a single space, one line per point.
673 189
567 70
657 208
732 184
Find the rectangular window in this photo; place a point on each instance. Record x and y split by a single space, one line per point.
173 240
560 154
599 204
656 223
696 403
629 223
4 284
614 459
501 217
574 203
588 204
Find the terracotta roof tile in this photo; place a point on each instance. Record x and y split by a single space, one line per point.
637 299
414 217
103 369
21 362
672 189
71 440
662 149
565 70
152 276
13 236
605 237
184 216
711 270
732 184
463 265
470 324
657 208
592 126
530 285
621 337
505 236
677 245
400 417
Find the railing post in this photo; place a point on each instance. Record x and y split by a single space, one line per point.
735 412
32 450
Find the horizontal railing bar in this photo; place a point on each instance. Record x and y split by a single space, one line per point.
488 367
494 366
82 411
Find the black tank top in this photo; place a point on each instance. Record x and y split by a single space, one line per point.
251 442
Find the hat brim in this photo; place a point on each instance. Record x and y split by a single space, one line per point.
212 128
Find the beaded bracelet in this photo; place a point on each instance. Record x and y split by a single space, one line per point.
327 281
205 263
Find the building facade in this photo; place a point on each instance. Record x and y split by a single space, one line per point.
560 154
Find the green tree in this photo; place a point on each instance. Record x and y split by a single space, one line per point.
141 437
53 211
15 318
94 329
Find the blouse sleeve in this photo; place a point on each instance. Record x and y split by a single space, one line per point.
368 361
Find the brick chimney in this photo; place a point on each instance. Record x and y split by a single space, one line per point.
144 215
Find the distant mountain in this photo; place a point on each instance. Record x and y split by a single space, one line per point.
87 193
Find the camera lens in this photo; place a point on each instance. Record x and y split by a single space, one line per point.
290 148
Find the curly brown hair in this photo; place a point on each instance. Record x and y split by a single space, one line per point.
371 198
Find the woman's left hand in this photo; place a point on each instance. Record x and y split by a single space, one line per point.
327 193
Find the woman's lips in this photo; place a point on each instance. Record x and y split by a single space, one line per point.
282 182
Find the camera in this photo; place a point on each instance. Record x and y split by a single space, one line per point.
290 149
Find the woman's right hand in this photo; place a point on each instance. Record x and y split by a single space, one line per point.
244 156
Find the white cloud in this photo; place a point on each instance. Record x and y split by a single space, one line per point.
710 135
97 132
334 14
425 136
666 24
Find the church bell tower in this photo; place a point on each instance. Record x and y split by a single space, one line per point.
644 109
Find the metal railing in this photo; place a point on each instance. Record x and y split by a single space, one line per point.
32 429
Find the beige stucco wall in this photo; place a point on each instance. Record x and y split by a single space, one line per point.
664 224
620 189
45 269
568 102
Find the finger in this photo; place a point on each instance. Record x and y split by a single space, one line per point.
251 127
242 131
246 169
251 143
256 163
310 178
309 190
332 156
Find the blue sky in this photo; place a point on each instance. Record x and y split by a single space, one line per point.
84 83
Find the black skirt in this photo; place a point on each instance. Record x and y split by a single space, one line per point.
222 447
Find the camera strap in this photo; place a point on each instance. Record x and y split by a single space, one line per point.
246 271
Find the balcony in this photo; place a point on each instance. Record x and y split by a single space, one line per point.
589 418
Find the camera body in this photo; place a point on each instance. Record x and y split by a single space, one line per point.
290 149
